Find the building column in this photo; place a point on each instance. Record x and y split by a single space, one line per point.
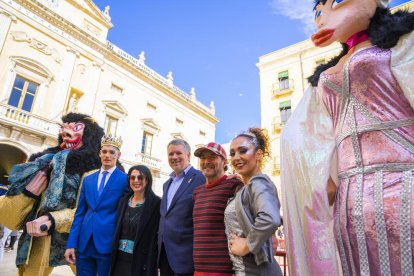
68 68
94 89
5 23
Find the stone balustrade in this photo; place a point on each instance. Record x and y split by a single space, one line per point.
154 75
27 120
148 161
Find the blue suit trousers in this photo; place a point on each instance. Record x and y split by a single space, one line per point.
91 263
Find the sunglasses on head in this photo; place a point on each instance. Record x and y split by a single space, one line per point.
138 177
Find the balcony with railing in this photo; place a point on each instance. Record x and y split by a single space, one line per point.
282 88
26 120
276 125
276 168
151 162
156 77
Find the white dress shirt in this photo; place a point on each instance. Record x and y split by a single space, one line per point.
110 171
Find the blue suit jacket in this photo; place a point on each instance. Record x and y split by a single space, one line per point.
96 215
176 223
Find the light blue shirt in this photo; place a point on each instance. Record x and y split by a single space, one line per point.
175 184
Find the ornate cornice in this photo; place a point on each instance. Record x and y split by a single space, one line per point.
12 17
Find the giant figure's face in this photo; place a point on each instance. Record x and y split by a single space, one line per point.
337 20
71 134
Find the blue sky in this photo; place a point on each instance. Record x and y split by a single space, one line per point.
212 45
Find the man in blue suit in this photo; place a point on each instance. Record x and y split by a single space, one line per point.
94 223
175 235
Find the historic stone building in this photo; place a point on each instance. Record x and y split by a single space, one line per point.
55 58
283 80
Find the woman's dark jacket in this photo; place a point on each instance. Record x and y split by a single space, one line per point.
145 244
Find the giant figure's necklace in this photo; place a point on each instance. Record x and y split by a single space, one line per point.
357 38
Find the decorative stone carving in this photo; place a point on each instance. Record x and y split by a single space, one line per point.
193 94
98 63
73 103
91 28
81 69
71 50
106 12
212 107
21 36
12 17
170 79
52 3
142 57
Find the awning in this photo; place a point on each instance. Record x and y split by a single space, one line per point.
284 74
285 104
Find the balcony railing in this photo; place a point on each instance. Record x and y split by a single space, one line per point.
27 120
276 169
282 88
155 76
149 161
276 127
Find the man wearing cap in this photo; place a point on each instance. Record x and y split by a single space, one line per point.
211 254
95 219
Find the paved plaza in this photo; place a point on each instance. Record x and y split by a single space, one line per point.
8 268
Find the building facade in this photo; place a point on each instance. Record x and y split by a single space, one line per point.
283 80
55 58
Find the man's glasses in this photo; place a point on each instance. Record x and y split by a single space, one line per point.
137 177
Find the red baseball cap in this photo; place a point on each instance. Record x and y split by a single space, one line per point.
213 147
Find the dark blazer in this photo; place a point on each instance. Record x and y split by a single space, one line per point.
176 223
96 215
145 243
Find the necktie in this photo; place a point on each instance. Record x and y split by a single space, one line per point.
102 184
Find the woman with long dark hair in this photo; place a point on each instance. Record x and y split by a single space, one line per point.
135 241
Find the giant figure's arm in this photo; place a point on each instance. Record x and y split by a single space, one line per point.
63 219
402 65
14 209
308 159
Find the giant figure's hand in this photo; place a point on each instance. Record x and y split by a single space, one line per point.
331 191
38 184
34 227
70 255
238 246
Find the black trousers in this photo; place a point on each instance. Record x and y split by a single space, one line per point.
165 268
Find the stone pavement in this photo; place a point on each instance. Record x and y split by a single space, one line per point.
8 268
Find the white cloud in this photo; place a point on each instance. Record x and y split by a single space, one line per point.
301 10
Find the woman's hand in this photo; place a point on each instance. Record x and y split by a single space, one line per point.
238 246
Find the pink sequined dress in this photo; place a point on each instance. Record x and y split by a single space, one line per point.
374 132
356 127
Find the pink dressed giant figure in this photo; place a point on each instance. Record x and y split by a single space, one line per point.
348 149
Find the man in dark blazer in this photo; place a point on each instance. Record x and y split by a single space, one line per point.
175 235
94 223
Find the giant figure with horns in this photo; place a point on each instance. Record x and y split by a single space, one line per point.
43 194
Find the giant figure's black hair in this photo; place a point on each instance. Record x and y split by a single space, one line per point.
85 158
384 31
